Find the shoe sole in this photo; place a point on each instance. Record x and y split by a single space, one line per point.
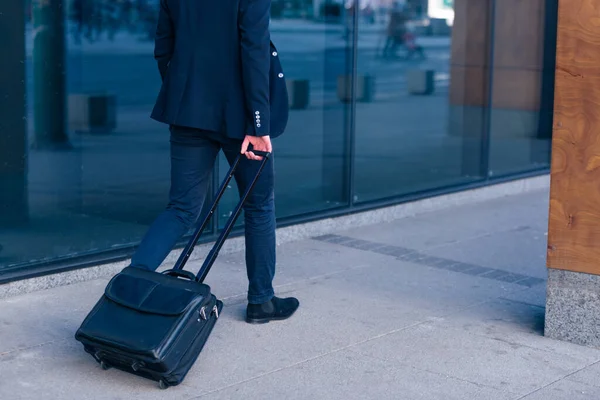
260 321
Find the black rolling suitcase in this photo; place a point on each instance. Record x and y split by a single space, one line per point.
155 324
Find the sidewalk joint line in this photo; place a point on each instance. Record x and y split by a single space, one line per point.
32 347
558 380
443 375
306 360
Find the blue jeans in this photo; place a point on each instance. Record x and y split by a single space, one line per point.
193 156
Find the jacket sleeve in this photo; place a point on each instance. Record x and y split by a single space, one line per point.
164 39
255 53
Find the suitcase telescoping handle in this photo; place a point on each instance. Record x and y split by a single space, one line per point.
214 252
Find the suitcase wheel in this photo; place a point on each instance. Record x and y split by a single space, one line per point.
163 385
104 366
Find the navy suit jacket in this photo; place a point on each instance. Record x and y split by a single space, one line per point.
220 71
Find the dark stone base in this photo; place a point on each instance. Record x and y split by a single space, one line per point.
573 307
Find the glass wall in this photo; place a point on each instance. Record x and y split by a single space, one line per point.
388 99
524 50
411 130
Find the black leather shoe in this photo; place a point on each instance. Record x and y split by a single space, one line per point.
275 309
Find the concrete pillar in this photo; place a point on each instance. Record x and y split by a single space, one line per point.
573 292
49 71
13 125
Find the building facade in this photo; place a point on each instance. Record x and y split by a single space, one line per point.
84 170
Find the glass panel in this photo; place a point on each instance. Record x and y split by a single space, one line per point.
523 85
13 135
311 161
97 167
421 96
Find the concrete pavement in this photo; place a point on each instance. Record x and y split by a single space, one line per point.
443 305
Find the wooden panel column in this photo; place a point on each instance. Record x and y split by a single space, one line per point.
574 225
573 299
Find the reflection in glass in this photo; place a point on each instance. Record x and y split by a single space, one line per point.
98 167
419 121
84 170
311 158
523 86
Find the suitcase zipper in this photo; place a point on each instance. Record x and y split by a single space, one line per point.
203 316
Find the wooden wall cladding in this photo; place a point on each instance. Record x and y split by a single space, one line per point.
574 217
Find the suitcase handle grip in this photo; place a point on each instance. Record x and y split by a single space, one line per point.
180 274
261 153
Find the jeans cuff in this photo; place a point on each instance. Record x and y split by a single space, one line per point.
260 299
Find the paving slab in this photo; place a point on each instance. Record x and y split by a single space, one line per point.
500 364
61 370
528 212
305 260
490 251
515 323
588 376
532 296
565 390
245 352
46 316
345 375
423 288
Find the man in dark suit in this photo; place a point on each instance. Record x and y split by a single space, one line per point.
223 88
